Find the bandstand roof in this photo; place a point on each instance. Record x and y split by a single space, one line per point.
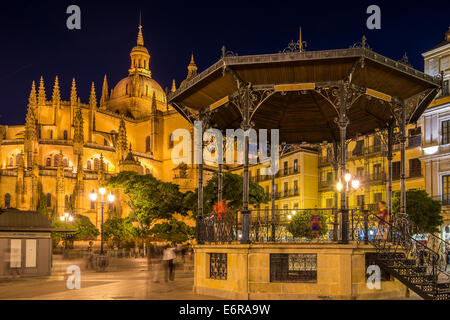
294 92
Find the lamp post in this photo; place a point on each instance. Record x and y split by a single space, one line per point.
355 185
111 198
66 218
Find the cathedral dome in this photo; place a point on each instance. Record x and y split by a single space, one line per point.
133 95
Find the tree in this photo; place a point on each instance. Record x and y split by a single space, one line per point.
42 205
119 232
232 193
84 229
422 210
149 199
300 226
173 231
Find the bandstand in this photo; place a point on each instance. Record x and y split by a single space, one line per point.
314 96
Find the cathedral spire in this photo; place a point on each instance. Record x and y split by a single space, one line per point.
174 88
192 71
105 95
78 126
32 100
41 93
140 37
92 97
73 93
122 138
56 97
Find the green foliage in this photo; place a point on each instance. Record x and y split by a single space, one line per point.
232 193
174 231
421 209
84 229
300 226
119 232
149 198
42 205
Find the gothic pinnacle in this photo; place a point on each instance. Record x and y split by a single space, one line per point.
73 93
92 97
56 97
41 93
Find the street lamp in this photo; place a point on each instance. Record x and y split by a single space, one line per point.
111 199
66 218
348 180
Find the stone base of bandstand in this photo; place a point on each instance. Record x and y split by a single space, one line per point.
340 273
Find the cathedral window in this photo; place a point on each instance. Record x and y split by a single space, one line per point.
147 171
17 159
96 163
66 162
147 144
49 200
170 141
7 200
48 162
89 165
65 134
55 160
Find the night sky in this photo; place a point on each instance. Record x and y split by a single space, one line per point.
35 40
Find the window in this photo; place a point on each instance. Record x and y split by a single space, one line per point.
358 151
18 159
287 267
377 197
218 266
446 132
65 134
285 168
415 169
295 165
446 190
360 200
329 202
96 163
414 137
147 144
89 165
396 170
446 88
170 141
376 143
377 171
55 160
49 200
360 172
66 162
295 187
329 176
11 161
286 189
147 171
92 205
7 200
48 162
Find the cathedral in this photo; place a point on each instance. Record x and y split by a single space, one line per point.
71 148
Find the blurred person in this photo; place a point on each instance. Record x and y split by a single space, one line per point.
383 216
169 265
155 261
316 224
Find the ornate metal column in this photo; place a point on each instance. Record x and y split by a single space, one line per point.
343 122
245 125
220 182
390 143
402 139
335 163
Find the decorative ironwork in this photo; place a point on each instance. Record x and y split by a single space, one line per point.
228 53
362 44
288 267
405 60
298 46
218 266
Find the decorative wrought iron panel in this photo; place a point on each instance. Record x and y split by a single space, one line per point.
293 267
218 266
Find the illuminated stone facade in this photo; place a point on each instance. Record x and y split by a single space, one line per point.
70 147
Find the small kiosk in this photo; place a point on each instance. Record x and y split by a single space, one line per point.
25 243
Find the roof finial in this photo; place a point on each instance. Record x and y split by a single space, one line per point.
140 39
